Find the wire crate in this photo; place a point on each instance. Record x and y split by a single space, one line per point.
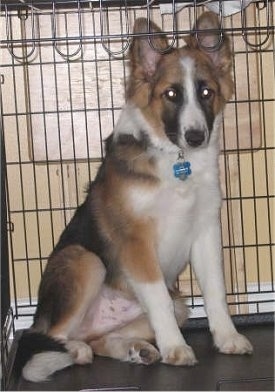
63 78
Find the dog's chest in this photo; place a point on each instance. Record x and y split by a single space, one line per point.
173 209
179 210
174 213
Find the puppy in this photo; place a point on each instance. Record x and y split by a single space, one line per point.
109 285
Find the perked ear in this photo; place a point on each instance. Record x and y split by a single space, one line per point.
210 41
145 51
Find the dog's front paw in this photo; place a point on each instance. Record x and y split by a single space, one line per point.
179 355
234 343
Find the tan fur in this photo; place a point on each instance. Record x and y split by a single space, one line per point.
141 243
81 279
168 73
136 237
140 81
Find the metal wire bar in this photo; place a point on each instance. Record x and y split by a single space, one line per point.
67 56
29 210
23 15
263 42
7 332
217 45
150 34
79 11
269 194
28 104
103 22
49 187
97 94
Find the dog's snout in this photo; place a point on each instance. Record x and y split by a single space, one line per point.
194 137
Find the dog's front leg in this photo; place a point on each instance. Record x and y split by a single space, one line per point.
145 277
160 309
206 259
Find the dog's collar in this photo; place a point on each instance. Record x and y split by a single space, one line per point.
182 168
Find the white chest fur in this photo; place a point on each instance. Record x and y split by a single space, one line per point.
180 209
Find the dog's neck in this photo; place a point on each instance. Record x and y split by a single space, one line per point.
132 121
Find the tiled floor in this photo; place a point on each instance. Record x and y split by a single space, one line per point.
214 371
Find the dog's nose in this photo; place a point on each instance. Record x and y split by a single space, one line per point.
194 138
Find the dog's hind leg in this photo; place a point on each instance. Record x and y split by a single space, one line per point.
129 343
133 342
69 286
72 281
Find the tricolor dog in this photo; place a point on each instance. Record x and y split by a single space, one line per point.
109 285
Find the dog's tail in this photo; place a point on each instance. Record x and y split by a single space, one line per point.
38 356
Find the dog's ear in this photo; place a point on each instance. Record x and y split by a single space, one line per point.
209 40
145 51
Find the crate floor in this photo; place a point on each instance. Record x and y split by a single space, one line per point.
214 372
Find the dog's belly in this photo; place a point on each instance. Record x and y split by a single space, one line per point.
108 312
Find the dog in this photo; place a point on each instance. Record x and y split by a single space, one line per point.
109 285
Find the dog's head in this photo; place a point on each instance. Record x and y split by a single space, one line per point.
182 92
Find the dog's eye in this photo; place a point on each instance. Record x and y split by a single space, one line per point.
206 93
173 95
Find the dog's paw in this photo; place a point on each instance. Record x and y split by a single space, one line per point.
143 352
234 343
179 355
80 351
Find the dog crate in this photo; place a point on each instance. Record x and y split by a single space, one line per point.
62 84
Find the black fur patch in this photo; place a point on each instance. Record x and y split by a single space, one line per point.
170 116
32 343
118 152
82 230
127 140
206 105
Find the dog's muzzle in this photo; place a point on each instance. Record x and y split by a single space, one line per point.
194 138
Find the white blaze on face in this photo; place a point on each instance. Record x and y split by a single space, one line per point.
192 116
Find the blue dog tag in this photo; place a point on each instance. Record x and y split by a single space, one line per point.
182 170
